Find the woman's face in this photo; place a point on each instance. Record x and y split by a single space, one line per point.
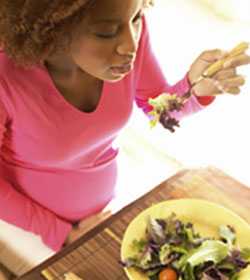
106 41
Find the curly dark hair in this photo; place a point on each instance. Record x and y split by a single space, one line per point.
30 30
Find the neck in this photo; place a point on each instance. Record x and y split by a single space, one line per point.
62 65
63 68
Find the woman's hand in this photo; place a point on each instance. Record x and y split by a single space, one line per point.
225 80
85 225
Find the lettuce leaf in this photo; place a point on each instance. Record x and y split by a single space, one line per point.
245 254
210 250
228 234
155 232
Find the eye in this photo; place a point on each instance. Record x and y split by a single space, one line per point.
109 33
106 36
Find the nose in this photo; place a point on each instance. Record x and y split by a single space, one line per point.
128 43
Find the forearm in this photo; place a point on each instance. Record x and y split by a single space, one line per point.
21 211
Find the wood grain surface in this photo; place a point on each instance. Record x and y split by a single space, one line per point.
96 255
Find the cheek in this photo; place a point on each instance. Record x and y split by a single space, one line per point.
95 54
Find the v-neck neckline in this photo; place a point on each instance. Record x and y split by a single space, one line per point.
67 104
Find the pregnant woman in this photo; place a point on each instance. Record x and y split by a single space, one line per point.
70 71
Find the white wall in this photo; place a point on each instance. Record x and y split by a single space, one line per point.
219 136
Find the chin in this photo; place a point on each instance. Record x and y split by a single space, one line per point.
114 78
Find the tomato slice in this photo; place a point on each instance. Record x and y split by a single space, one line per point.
168 274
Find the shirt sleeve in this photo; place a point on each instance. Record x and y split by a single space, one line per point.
150 81
23 212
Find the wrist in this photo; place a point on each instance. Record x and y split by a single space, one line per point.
196 91
192 79
204 100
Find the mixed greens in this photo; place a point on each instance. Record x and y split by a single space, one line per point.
172 250
165 104
162 108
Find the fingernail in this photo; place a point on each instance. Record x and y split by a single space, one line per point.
204 75
242 80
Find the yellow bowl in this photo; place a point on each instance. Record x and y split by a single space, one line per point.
205 216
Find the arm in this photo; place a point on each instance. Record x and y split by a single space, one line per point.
151 81
21 211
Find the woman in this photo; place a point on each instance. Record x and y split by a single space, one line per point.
69 74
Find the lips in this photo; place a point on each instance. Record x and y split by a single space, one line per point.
123 69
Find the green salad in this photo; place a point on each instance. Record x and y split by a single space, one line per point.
172 250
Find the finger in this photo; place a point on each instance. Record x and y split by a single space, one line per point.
100 218
239 60
213 55
233 82
94 219
104 214
219 87
225 74
235 90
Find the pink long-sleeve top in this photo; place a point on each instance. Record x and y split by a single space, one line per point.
57 163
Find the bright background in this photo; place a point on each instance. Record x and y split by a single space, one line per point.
180 31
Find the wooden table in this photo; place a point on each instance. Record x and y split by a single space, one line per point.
95 256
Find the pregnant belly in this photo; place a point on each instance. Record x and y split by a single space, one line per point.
72 195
